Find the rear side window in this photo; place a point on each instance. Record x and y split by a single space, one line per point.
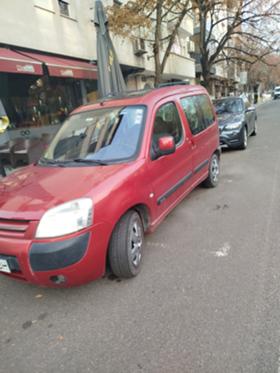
167 122
207 112
198 112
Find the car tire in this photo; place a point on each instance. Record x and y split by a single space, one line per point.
244 141
255 131
126 246
214 172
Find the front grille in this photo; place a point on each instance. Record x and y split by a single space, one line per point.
13 228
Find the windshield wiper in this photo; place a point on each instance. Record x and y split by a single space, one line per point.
52 162
91 161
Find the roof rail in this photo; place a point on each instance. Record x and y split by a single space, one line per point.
170 84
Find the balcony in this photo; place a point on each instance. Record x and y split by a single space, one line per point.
179 67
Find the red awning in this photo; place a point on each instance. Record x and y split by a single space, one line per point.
13 62
64 67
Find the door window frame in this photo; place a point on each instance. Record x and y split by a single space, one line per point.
175 102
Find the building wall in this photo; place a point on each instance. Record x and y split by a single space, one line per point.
38 25
23 23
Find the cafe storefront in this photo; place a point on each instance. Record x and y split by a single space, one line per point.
37 92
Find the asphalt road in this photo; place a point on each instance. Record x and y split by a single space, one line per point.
207 299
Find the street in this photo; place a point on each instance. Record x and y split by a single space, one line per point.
207 298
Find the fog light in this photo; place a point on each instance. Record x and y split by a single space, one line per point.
58 279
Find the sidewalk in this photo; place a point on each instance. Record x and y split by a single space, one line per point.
263 100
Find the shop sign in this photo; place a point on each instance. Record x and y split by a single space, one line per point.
67 72
243 77
25 68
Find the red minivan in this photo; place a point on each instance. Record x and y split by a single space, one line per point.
113 171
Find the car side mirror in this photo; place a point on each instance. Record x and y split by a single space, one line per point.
250 108
165 146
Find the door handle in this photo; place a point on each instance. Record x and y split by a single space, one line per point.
192 143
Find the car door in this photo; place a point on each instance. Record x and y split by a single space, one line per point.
170 174
200 118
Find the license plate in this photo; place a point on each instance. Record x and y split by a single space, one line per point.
4 266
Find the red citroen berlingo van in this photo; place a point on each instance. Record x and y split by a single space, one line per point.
113 171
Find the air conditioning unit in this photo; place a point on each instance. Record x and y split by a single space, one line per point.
139 47
191 46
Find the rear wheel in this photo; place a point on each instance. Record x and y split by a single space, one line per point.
126 246
214 172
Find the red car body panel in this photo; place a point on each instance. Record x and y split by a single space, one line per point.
114 189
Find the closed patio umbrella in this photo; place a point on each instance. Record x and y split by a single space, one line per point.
110 78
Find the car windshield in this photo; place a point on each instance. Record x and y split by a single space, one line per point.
98 136
232 106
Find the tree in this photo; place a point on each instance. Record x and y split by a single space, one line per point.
266 72
249 35
153 16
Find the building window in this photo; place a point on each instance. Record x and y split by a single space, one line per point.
64 8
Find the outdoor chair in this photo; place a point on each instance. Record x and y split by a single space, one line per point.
6 151
26 151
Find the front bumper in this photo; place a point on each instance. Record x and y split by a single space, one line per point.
67 261
231 138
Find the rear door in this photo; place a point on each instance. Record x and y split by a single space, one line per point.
171 174
200 118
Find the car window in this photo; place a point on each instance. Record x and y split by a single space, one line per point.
194 114
206 108
110 134
167 122
231 105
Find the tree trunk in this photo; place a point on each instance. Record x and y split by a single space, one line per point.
157 65
207 84
158 70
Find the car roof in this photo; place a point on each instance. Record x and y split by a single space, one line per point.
145 97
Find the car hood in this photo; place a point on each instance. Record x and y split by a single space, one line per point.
27 193
228 118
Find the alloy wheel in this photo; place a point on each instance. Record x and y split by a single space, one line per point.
136 242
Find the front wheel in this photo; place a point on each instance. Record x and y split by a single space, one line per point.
126 246
244 141
214 172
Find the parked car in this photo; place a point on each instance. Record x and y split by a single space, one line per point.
113 171
237 121
276 92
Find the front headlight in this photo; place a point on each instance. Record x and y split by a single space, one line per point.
67 218
233 126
